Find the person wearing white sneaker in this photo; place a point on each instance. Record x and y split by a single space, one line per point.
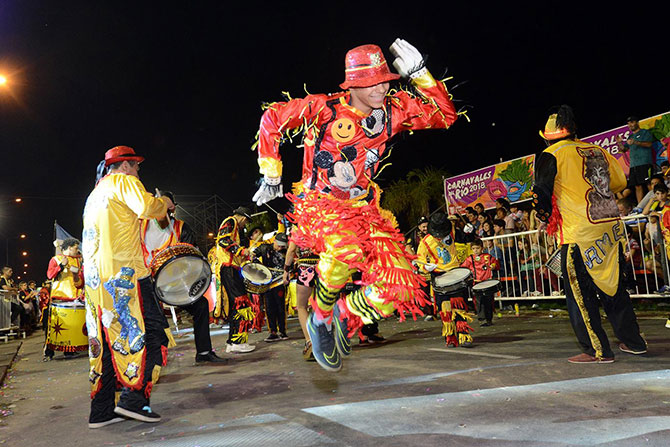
231 258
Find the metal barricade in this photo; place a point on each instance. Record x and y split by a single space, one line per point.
5 310
523 256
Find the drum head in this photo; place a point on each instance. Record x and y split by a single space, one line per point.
182 280
456 275
486 284
257 273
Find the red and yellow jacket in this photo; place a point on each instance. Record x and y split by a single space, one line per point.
342 146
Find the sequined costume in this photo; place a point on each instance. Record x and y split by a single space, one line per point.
230 256
114 270
575 186
337 212
452 307
61 308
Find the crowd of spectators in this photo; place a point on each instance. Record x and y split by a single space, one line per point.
25 299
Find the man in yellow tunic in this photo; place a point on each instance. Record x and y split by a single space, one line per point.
124 322
575 183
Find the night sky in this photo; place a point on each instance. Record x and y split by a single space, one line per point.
183 85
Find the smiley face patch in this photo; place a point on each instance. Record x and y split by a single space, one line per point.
343 130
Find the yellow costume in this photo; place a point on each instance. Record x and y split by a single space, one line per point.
114 263
67 318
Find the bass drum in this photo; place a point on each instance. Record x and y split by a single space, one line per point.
181 274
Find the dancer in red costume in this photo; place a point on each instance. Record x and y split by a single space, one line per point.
337 212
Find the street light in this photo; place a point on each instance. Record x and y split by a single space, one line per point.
3 80
18 200
25 253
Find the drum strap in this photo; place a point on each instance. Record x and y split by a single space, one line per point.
474 268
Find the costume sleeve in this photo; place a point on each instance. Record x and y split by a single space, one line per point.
54 268
493 262
468 264
545 173
226 239
133 194
617 176
432 108
187 235
278 119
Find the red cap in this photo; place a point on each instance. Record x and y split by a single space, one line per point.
121 153
365 66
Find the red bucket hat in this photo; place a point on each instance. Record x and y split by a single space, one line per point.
365 66
121 153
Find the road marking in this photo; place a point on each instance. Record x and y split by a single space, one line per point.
434 376
470 352
530 413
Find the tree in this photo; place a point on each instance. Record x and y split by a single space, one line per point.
421 191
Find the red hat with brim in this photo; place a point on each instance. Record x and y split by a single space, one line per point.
365 66
121 153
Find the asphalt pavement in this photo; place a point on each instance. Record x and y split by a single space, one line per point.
514 387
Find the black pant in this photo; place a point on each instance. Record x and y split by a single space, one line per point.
199 310
232 282
583 298
102 404
484 306
18 310
275 309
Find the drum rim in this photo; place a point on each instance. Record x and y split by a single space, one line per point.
154 276
256 284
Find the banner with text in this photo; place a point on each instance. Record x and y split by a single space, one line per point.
511 180
658 125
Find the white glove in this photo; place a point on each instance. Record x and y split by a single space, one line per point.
409 62
270 188
468 228
429 267
107 317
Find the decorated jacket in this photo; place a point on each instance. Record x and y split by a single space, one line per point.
438 251
343 147
154 238
481 266
68 281
114 263
232 252
575 186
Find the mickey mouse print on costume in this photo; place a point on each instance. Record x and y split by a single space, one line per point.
337 213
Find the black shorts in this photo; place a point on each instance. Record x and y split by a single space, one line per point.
639 175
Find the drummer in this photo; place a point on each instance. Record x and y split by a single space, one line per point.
68 285
158 234
437 255
482 265
273 256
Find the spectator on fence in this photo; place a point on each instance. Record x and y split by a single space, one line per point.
510 222
649 196
486 228
26 298
625 207
639 143
529 260
7 284
502 203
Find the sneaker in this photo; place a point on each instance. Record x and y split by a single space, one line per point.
466 344
283 336
585 358
486 324
239 348
341 332
428 318
376 338
525 293
210 357
624 348
667 323
144 415
556 293
324 350
105 423
535 293
663 290
271 338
